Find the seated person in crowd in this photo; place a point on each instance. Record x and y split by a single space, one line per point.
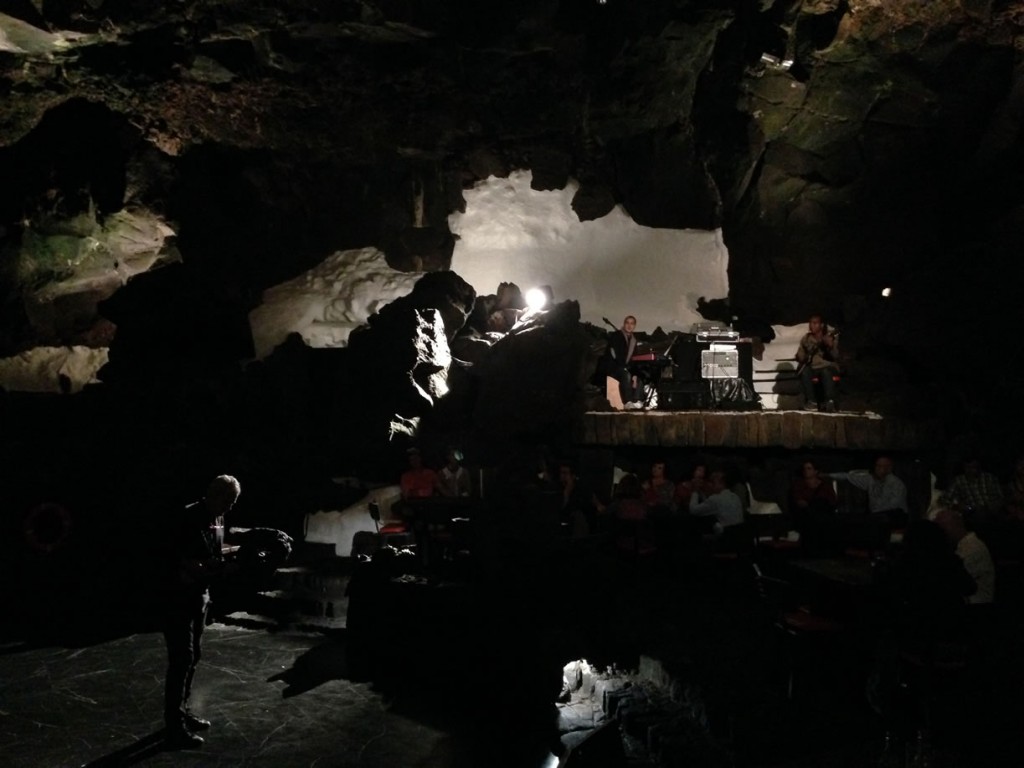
928 583
976 492
578 511
887 494
812 492
813 501
418 481
972 551
923 609
453 480
1014 496
615 363
630 521
695 486
721 504
818 355
658 491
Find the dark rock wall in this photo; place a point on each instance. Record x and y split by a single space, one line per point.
842 145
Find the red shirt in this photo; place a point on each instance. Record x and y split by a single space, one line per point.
824 494
418 483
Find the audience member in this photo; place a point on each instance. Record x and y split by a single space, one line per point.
976 492
887 494
929 586
812 492
631 526
578 512
1014 496
813 501
658 491
973 552
721 504
453 480
818 355
925 616
695 486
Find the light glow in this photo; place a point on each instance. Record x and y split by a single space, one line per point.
536 299
612 266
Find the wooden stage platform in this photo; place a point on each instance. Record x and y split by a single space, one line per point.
755 429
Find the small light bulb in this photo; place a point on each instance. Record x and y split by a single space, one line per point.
886 293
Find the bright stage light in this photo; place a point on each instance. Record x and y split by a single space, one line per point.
536 299
886 293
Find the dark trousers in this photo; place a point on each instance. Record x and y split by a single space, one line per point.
626 389
828 386
183 633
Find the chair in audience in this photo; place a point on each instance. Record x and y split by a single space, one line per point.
770 525
758 507
935 681
803 630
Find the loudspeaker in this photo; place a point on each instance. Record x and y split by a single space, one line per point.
683 395
686 354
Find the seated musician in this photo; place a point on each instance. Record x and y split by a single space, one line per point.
453 480
418 481
424 508
818 355
615 363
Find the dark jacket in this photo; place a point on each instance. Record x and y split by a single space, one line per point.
192 539
617 353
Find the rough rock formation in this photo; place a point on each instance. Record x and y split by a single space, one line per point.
842 145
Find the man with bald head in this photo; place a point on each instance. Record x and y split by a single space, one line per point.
887 494
973 551
196 557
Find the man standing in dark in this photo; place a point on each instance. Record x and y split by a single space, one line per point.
195 544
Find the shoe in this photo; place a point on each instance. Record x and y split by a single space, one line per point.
830 406
179 738
633 405
196 723
810 405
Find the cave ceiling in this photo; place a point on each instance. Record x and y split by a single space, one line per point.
841 145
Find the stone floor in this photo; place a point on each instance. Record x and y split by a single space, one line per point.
284 696
276 699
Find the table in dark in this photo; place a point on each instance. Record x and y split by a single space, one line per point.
848 571
842 587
